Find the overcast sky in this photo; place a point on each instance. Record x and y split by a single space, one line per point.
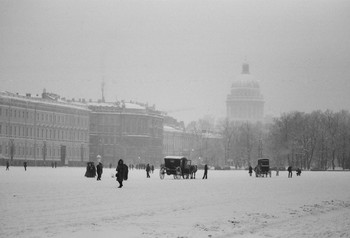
181 56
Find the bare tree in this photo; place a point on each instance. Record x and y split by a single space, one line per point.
332 126
227 131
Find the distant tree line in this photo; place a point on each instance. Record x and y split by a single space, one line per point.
317 140
242 142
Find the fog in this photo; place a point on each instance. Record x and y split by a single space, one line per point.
181 56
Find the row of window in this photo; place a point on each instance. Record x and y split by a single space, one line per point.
130 130
133 126
21 150
49 117
43 133
175 142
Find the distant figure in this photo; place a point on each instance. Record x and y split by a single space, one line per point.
250 170
52 164
120 173
25 165
148 168
205 175
55 164
99 170
152 168
7 165
298 171
290 172
277 171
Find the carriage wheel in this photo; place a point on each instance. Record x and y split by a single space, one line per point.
162 173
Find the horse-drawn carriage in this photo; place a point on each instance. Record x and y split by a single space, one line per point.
263 168
178 166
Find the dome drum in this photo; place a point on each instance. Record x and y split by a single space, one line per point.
245 101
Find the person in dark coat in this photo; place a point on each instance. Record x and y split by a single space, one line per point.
298 171
250 170
290 173
7 165
205 175
148 168
99 170
120 173
25 165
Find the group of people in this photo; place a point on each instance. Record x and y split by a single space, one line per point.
290 171
122 171
25 164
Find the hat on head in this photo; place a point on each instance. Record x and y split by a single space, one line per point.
98 158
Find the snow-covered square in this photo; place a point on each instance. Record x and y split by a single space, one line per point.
61 202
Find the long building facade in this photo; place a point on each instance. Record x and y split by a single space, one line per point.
202 147
125 130
42 130
47 129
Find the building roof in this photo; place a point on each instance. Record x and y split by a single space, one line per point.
168 128
40 100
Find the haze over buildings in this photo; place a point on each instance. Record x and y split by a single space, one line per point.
245 101
182 56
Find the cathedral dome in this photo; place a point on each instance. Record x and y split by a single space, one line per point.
245 79
245 84
245 101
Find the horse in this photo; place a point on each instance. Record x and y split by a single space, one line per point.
193 170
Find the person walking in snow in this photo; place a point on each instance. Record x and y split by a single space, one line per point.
290 172
7 165
205 175
99 169
120 173
25 165
148 168
250 170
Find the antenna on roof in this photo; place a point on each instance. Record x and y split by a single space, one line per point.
103 89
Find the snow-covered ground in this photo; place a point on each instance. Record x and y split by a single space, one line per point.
61 202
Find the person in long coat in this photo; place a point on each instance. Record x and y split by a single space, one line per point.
290 173
250 170
120 172
205 175
148 168
99 170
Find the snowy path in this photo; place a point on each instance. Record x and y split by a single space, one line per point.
46 202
